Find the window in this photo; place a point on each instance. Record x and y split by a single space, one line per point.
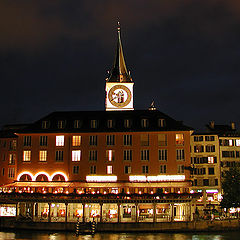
210 160
93 124
180 154
127 155
61 124
11 172
127 169
75 169
93 140
110 155
43 156
76 141
198 138
209 138
163 169
211 171
77 123
216 182
230 154
199 171
3 157
110 140
45 124
127 140
13 144
26 156
76 155
144 139
162 154
109 169
144 123
198 149
12 158
237 142
179 139
3 171
162 140
43 141
180 169
145 155
93 169
205 182
27 141
161 123
93 155
60 141
127 123
145 169
110 123
59 156
210 148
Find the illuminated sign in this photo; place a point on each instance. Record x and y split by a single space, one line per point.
212 191
7 211
101 178
158 178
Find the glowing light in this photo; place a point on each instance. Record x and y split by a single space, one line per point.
42 173
158 178
192 191
212 191
59 173
23 173
101 178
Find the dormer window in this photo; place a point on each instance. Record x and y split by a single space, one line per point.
61 124
127 123
110 123
144 123
94 123
77 123
161 123
45 124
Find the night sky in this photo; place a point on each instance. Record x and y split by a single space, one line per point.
54 56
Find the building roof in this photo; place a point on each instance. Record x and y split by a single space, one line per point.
84 119
119 71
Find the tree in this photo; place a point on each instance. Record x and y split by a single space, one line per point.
231 188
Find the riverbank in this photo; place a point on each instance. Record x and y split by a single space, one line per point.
193 226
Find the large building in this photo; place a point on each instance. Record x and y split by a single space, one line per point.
119 164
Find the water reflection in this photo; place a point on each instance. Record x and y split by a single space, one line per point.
27 235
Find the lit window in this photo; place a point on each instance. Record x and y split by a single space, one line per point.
198 148
210 159
237 142
76 141
179 139
230 142
12 158
59 141
110 155
109 169
76 155
43 156
26 156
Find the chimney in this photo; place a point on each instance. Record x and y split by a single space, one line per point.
233 127
212 124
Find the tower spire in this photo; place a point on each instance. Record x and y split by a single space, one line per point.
119 71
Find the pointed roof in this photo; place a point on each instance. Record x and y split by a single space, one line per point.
119 71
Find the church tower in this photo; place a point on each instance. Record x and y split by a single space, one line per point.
119 84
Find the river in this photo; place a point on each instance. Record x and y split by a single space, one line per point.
31 235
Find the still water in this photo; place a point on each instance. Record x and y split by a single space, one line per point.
23 235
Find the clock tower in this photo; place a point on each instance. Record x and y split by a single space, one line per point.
119 84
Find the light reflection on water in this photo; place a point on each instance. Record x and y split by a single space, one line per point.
27 235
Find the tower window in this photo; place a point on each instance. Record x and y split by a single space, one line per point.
127 123
144 123
161 123
61 124
77 123
110 123
94 124
45 124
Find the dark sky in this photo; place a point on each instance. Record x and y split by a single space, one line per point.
54 56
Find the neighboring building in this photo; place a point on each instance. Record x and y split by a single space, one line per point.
115 165
205 163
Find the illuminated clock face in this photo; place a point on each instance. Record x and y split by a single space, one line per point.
119 96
